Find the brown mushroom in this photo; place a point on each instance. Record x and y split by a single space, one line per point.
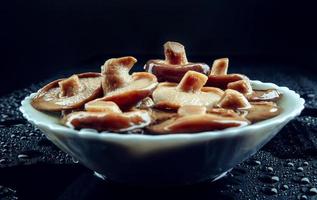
122 88
233 100
107 116
189 91
175 65
264 95
218 76
68 94
222 112
159 116
146 103
242 86
262 110
192 119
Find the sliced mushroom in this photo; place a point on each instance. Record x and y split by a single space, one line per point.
175 65
262 110
68 94
192 119
218 76
264 95
189 91
220 66
242 86
102 106
146 103
223 112
233 100
106 116
159 116
122 88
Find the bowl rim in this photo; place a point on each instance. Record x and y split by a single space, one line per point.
229 132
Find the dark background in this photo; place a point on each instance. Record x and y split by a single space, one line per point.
42 38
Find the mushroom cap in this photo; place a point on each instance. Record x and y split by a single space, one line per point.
264 95
106 115
221 81
262 110
189 91
141 86
173 73
111 121
122 88
49 98
198 120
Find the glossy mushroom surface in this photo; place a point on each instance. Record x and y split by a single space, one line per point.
68 94
107 116
175 65
189 91
219 78
122 88
264 95
192 119
262 110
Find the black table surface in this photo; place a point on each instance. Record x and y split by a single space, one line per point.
31 167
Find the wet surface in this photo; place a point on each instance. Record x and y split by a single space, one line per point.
31 167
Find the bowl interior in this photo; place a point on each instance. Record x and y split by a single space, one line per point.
291 105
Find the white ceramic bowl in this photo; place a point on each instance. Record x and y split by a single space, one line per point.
165 159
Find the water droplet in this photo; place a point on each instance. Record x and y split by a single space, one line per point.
30 154
303 197
313 191
285 187
304 189
256 162
300 169
275 179
296 179
23 138
23 156
305 163
269 179
270 169
2 161
304 180
290 164
75 160
269 191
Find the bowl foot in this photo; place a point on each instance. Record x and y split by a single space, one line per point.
104 178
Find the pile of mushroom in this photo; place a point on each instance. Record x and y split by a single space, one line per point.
174 96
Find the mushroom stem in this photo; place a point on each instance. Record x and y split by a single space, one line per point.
175 53
69 87
220 66
192 82
242 86
102 106
115 72
233 100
